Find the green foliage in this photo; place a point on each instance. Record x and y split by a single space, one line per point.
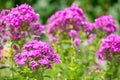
75 64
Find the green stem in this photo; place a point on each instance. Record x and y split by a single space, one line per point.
41 72
11 59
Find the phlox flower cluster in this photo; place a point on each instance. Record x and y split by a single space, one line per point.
37 54
3 30
104 23
63 19
69 21
109 47
21 21
20 14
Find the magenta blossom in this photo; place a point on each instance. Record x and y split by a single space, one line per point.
20 22
109 47
73 34
77 42
53 39
37 54
68 21
106 24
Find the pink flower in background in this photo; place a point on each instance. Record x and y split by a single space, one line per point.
3 27
96 68
106 24
73 34
92 36
103 23
77 42
69 21
109 47
89 27
53 39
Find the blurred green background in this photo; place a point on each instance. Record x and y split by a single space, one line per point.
92 8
